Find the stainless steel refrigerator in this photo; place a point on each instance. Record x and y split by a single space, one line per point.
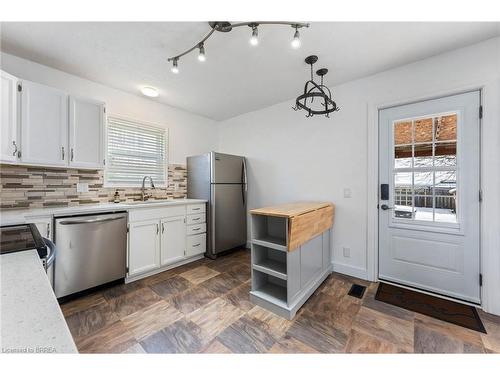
222 180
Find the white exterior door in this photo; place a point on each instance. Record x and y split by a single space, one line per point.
9 143
86 136
144 247
173 240
44 125
429 175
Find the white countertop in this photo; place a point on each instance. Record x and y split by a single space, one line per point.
31 320
11 217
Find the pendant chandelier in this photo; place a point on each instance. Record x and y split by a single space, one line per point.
225 27
324 104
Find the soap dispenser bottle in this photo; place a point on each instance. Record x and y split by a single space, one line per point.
116 197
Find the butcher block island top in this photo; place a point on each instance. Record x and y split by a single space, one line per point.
290 209
291 254
305 220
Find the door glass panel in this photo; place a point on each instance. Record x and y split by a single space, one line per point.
403 156
446 128
403 133
446 197
423 155
445 154
403 195
423 130
425 164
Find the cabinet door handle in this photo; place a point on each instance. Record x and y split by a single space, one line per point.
48 230
196 209
196 245
196 219
157 229
72 154
196 229
62 152
15 148
162 228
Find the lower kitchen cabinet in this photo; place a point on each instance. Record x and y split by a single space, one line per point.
163 237
144 247
173 240
196 244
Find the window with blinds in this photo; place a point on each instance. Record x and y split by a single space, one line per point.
135 150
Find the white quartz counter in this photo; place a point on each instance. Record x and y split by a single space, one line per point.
11 217
30 318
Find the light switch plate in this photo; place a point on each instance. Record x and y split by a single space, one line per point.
346 252
347 193
82 187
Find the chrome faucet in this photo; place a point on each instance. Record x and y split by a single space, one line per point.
146 196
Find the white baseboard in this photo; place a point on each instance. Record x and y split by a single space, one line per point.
359 272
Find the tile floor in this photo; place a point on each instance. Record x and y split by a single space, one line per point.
204 307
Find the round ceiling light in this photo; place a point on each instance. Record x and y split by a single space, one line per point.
150 91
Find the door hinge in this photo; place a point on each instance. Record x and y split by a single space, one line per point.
480 111
104 109
126 269
19 87
480 279
128 229
103 161
480 195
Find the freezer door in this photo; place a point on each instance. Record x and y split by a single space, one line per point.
227 169
229 219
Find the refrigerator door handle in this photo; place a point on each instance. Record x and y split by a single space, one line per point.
243 179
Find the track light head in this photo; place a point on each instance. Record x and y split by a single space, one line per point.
175 67
254 40
201 54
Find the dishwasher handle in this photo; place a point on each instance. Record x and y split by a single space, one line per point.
89 221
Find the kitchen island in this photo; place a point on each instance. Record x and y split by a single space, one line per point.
30 318
291 254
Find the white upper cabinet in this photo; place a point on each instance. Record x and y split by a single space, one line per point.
173 240
86 133
9 143
44 125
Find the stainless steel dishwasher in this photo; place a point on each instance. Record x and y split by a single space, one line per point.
91 251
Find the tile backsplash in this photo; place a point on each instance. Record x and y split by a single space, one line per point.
38 187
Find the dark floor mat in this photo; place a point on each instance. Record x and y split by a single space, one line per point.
439 308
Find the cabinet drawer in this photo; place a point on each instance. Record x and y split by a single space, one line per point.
195 208
140 214
196 244
196 229
196 219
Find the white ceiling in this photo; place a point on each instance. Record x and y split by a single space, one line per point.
236 78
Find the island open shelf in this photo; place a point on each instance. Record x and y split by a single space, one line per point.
290 254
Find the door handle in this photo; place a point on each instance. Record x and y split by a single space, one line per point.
90 221
72 154
386 207
162 228
15 148
62 152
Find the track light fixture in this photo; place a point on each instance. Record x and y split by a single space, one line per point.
254 40
225 27
175 68
201 54
296 39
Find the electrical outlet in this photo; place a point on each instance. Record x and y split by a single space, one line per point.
347 193
82 187
346 252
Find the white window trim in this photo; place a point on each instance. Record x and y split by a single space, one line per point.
145 124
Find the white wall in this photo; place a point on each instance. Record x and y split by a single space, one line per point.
189 134
292 158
